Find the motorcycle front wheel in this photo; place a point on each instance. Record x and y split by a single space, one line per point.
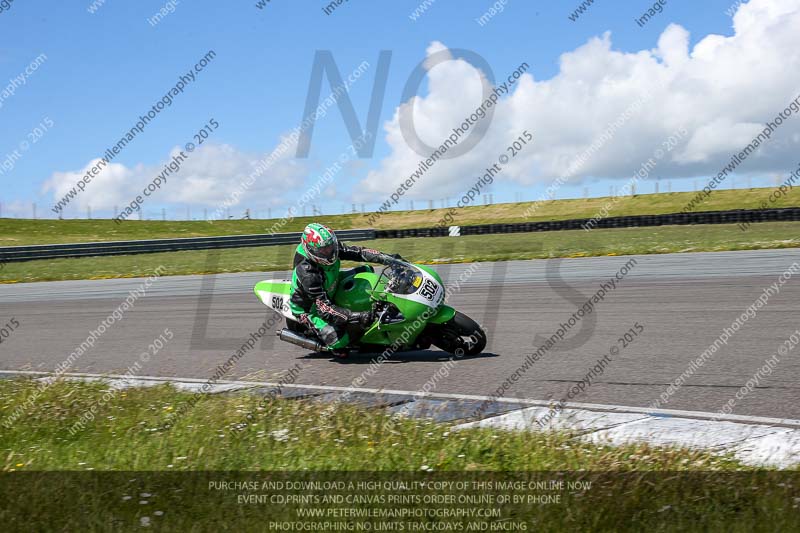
460 336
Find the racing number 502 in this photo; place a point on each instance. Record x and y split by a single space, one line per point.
428 290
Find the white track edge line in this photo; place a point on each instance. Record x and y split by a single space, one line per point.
702 415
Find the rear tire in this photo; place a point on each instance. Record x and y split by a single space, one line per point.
460 336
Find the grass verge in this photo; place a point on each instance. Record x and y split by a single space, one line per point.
170 475
18 232
575 243
130 431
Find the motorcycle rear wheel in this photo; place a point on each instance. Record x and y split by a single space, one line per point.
460 336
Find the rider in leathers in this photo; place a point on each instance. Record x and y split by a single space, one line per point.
315 277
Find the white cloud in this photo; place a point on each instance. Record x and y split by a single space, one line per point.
722 91
19 209
206 178
111 187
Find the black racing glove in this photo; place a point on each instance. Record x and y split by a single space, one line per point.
389 259
362 318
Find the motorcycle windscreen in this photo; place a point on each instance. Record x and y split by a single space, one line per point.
418 286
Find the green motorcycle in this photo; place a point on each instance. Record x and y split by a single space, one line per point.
407 301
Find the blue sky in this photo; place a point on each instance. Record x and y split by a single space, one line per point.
104 69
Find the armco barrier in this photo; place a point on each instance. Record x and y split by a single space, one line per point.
673 219
57 251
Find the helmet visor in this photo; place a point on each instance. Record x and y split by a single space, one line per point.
326 254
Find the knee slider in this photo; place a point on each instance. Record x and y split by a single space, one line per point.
329 335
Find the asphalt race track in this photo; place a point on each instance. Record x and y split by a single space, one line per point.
683 301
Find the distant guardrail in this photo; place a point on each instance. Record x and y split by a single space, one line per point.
737 216
58 251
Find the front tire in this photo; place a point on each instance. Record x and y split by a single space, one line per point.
460 336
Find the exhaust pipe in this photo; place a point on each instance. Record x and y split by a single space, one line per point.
300 340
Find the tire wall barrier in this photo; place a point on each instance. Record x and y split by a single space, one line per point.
739 216
58 251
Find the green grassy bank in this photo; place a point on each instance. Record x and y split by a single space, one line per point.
135 464
18 232
577 243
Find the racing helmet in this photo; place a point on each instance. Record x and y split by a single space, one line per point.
320 244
